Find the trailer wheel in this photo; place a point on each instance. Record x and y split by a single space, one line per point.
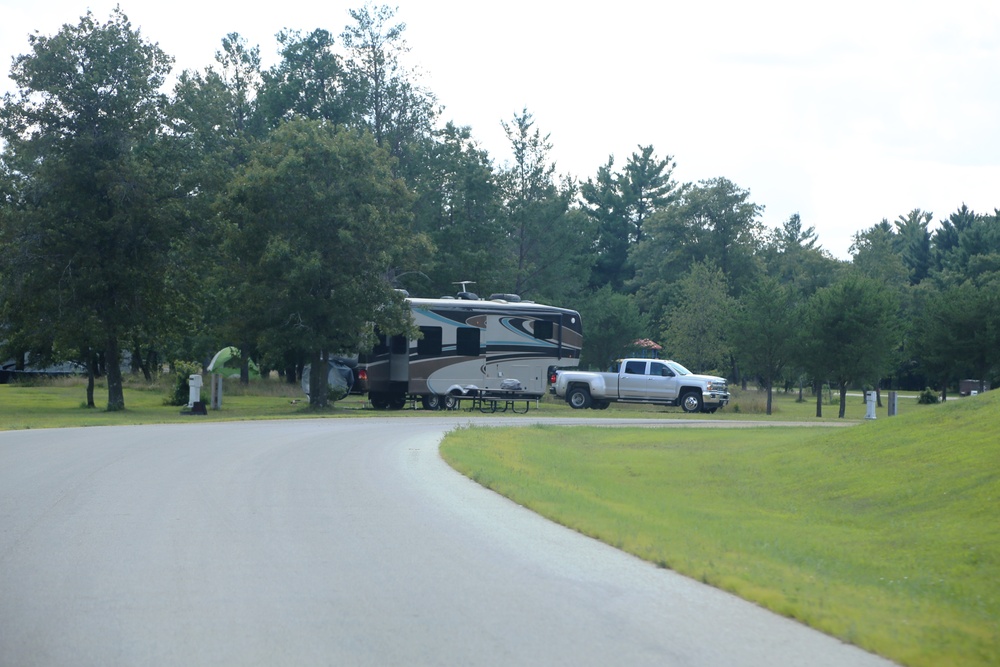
397 401
449 402
431 402
601 405
691 401
378 400
578 398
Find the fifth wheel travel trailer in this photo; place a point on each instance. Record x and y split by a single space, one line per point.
472 344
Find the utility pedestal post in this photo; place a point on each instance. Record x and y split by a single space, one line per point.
870 397
194 390
216 391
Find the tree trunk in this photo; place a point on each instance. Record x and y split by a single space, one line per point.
769 390
116 393
91 375
843 400
319 390
141 364
819 399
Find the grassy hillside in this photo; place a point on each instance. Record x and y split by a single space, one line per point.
886 535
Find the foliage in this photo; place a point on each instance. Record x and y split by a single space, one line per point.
762 336
181 390
612 323
548 242
851 330
318 262
714 221
93 218
696 329
620 204
928 397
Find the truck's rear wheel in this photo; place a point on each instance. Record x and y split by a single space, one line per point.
691 401
578 398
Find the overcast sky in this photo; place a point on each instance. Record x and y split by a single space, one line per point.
847 114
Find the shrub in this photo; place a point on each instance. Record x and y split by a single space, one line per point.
181 389
927 397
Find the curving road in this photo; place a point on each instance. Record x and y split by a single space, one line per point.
329 542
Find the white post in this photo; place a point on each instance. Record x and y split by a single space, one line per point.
194 390
870 399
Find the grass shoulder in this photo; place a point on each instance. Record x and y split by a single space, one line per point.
883 535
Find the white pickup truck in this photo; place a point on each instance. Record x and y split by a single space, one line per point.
655 381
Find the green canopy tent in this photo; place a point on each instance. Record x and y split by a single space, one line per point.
226 363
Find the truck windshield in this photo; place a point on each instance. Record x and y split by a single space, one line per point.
678 369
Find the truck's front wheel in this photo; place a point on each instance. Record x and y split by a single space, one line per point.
578 398
691 401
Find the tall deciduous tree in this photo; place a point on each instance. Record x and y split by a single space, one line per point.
386 96
458 207
957 333
696 329
714 220
764 322
219 120
549 243
85 135
851 333
319 218
613 323
792 254
308 82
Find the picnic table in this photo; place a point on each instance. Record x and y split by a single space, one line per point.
499 400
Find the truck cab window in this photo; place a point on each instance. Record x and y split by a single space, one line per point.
635 368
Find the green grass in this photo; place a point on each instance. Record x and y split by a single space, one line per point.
885 535
61 403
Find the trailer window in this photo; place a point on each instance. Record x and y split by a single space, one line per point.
467 342
543 329
430 344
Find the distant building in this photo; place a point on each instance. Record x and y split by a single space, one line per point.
645 349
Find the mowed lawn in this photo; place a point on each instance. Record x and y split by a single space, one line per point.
886 534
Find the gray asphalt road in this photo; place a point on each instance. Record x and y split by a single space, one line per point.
329 542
